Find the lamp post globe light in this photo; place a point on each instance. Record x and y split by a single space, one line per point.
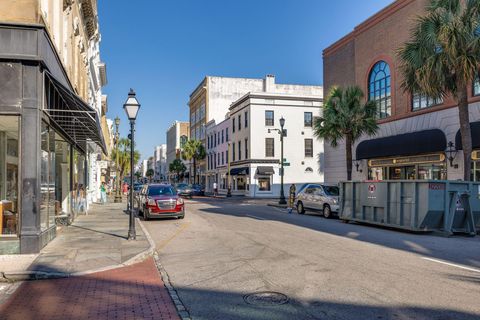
131 108
118 196
282 195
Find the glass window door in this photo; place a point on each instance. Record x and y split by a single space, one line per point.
9 164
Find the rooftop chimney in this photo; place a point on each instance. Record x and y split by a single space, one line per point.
269 83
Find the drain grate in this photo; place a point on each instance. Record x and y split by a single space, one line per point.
266 298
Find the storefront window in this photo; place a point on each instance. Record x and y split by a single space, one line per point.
264 184
377 174
476 170
78 180
436 171
62 176
9 161
241 183
432 172
44 188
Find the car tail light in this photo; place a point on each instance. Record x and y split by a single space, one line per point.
151 202
179 201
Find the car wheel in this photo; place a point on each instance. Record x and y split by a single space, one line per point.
327 212
300 208
182 216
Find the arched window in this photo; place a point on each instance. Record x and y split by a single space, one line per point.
379 88
309 170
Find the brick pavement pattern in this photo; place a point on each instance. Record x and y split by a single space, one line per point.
132 292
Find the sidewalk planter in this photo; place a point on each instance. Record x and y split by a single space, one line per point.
415 205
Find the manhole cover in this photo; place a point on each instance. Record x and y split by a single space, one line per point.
266 298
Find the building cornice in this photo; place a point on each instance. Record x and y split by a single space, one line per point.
254 161
278 96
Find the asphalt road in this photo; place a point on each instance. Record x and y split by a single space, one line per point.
226 249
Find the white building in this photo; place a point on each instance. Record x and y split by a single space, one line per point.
177 136
160 158
255 147
97 78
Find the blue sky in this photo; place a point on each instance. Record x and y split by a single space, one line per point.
163 49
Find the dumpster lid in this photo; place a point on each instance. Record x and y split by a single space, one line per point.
418 142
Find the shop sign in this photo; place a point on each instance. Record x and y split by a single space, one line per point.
371 191
407 160
476 155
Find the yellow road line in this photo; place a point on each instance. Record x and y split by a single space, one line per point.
164 243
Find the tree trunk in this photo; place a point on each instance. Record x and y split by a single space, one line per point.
194 170
465 131
348 153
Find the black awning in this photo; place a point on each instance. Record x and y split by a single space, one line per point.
78 121
263 170
419 142
475 133
239 171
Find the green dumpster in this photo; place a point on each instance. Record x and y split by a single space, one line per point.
415 205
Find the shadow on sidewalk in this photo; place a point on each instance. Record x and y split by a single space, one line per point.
102 232
137 292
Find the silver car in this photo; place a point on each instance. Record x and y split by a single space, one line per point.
319 197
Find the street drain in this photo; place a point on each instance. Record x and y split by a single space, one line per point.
266 298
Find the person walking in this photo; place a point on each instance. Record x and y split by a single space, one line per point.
215 190
82 200
291 198
103 193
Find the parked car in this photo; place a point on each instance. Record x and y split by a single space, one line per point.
198 190
318 197
161 201
184 190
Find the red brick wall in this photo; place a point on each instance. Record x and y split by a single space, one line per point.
350 59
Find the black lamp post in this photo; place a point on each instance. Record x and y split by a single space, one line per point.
118 196
229 188
451 152
282 194
131 107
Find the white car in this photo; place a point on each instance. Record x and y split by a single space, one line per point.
319 197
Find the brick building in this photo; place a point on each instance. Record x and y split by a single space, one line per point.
414 130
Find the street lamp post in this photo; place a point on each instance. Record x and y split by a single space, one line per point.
118 196
282 195
229 189
131 107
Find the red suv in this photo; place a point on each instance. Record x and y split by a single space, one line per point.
160 200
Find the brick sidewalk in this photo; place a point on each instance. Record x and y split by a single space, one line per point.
132 292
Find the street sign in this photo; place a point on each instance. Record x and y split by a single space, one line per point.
286 164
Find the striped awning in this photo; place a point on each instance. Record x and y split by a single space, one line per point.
75 118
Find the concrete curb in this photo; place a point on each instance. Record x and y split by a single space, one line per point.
42 275
276 205
181 309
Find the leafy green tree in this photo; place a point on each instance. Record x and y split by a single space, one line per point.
138 175
123 156
150 174
178 167
346 117
194 151
442 58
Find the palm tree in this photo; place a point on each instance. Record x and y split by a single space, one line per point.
150 174
123 156
346 117
194 151
442 58
178 167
